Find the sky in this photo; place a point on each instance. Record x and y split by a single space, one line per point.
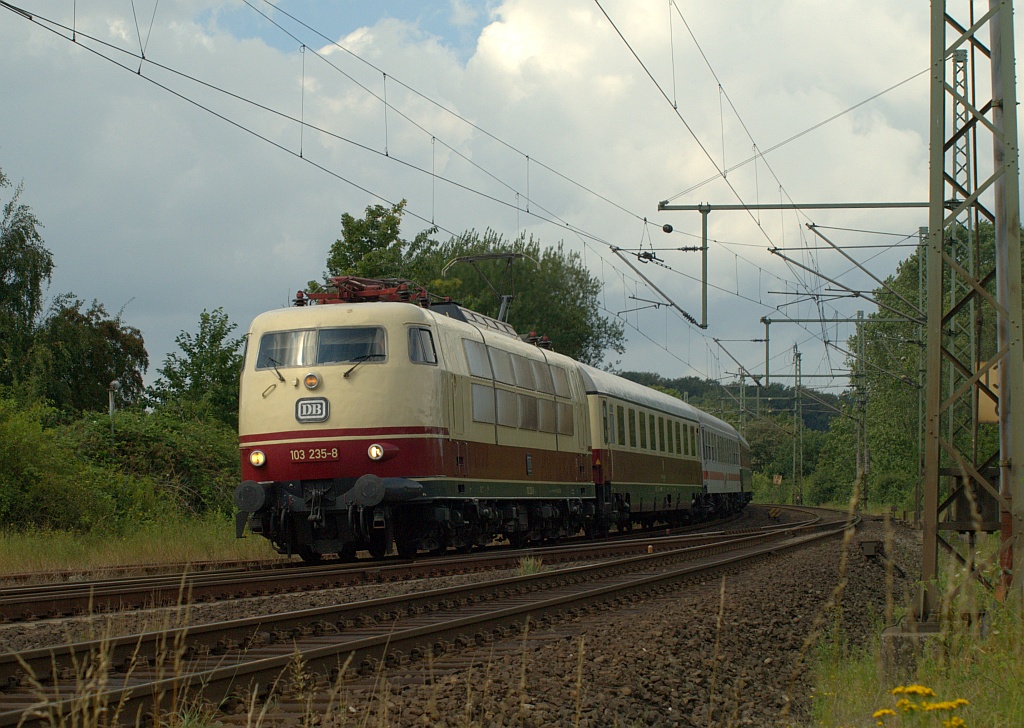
209 165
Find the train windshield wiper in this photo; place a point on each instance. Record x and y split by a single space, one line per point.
274 363
359 360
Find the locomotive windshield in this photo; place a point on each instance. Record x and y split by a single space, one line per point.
320 346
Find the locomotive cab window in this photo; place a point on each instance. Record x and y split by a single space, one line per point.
286 349
421 346
337 346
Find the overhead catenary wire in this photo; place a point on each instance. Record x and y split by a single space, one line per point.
550 219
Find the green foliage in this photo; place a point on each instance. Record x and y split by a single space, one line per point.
555 295
371 247
44 483
206 372
183 448
77 353
25 265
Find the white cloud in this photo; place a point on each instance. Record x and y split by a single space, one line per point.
149 199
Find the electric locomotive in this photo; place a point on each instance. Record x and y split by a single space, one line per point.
380 417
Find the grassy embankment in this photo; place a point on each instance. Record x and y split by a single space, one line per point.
972 674
181 540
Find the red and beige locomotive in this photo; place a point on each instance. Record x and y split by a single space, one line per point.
377 417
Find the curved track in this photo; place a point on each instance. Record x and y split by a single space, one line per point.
50 600
232 662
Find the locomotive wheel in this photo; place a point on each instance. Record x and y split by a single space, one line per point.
308 555
379 545
348 552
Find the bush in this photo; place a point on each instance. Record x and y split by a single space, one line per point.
189 454
44 483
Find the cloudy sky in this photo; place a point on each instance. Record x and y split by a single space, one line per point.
214 173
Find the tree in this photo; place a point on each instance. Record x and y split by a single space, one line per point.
25 265
555 294
371 247
207 370
77 353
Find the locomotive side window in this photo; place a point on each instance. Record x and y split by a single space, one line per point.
528 418
643 430
654 439
611 426
421 347
693 441
542 374
286 349
483 403
565 422
508 408
679 450
661 433
604 420
502 363
621 417
632 428
561 381
524 372
546 418
476 355
335 346
670 442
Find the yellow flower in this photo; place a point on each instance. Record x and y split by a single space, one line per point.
945 704
883 712
955 722
906 705
914 690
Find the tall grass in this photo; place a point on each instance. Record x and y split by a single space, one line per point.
979 660
171 541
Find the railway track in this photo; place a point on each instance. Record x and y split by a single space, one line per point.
233 663
22 601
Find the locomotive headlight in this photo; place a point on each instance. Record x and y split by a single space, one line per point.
257 458
312 381
375 451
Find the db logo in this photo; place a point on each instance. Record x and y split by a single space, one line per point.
312 409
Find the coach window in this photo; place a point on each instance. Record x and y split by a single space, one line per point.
286 349
679 442
632 428
643 430
421 347
693 441
661 433
654 441
476 355
620 416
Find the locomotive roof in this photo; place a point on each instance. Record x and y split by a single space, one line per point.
299 317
